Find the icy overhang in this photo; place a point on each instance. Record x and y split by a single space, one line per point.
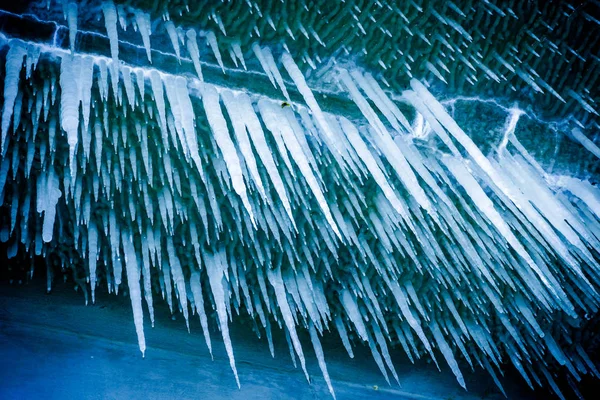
435 230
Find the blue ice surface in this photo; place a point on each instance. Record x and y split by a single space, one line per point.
54 347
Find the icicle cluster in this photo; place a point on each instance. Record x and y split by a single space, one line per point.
386 231
298 216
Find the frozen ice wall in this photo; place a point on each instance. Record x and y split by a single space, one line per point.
403 212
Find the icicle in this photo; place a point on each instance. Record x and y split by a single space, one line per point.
143 22
69 104
272 66
192 46
172 32
196 288
178 279
258 52
320 357
141 82
387 145
135 292
159 101
14 63
363 152
284 307
48 194
237 50
92 256
85 89
110 21
146 240
262 148
215 267
212 42
72 21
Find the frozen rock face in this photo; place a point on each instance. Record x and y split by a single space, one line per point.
408 217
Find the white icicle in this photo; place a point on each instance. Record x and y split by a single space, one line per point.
141 82
339 323
172 32
146 240
110 22
196 288
103 79
85 88
188 122
246 111
128 84
381 100
143 22
13 65
237 50
192 46
314 337
178 279
69 104
502 183
447 352
33 56
132 269
349 304
212 42
159 100
72 22
215 267
258 52
92 256
584 190
277 283
272 66
48 194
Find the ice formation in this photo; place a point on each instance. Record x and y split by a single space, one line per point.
396 234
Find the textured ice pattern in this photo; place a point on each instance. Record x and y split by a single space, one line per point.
217 200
